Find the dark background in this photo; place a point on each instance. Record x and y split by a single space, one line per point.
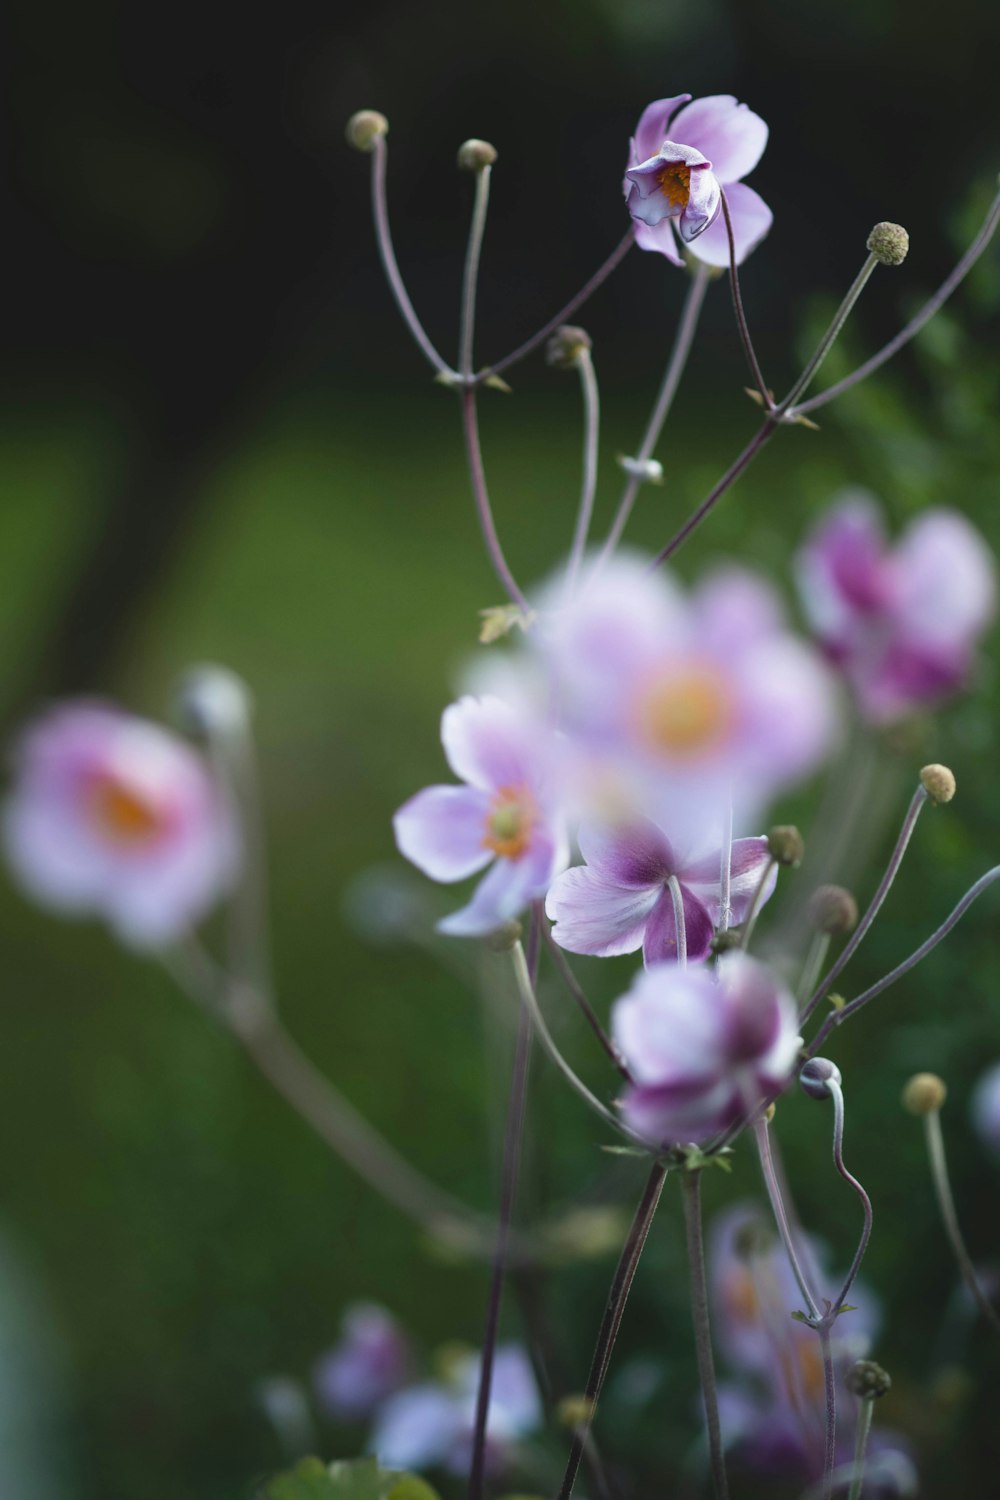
218 443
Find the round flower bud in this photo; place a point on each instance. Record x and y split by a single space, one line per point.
565 346
889 244
833 910
938 782
502 939
867 1379
474 155
365 128
816 1076
213 702
725 942
786 845
924 1094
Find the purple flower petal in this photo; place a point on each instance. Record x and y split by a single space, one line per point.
596 915
652 129
441 830
500 896
702 208
751 221
487 744
730 135
945 582
417 1427
660 943
747 862
660 238
633 854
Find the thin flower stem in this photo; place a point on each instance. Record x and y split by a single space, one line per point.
838 1017
729 478
837 1095
599 277
683 342
588 486
860 1448
477 475
885 884
247 926
571 982
513 1139
760 1130
726 866
614 1310
691 1183
767 400
471 276
946 1203
815 959
755 905
830 1391
831 335
917 322
383 239
680 926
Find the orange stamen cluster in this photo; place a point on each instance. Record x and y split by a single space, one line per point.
686 711
511 817
122 813
675 183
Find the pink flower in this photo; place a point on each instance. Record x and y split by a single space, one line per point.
371 1361
110 814
505 815
621 899
703 1048
680 160
902 623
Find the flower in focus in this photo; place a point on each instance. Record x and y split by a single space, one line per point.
681 158
986 1108
621 898
110 814
504 816
370 1361
433 1423
900 623
703 1048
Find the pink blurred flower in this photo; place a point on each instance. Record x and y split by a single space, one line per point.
901 623
703 1048
371 1360
620 899
506 815
110 814
679 161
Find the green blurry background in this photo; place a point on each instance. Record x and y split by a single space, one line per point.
218 444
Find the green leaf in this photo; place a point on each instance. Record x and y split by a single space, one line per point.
409 1487
347 1479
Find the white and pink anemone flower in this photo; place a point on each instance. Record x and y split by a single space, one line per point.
111 815
506 815
901 623
682 157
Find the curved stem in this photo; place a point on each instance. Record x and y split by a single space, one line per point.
680 926
588 486
837 1095
729 478
831 335
383 239
781 1218
471 275
755 905
815 959
726 866
565 313
946 1203
571 982
477 475
767 400
917 322
691 1183
683 341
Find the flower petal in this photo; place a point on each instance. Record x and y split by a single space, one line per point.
652 131
488 744
417 1427
632 854
659 238
748 860
500 896
703 205
751 221
441 830
946 586
660 943
730 134
596 915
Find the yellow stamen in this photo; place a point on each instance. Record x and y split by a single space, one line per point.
122 813
686 711
675 183
509 822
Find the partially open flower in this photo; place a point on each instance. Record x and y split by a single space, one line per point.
112 815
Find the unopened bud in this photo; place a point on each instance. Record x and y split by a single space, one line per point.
867 1379
833 910
474 155
502 939
576 1411
817 1075
646 470
725 942
786 844
938 782
365 128
924 1094
889 244
770 1112
212 702
565 346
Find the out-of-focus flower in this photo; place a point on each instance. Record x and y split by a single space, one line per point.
680 159
901 623
370 1361
986 1108
110 814
703 1048
433 1423
621 899
505 815
684 700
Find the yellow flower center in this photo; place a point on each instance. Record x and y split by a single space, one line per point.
686 711
122 813
509 822
674 181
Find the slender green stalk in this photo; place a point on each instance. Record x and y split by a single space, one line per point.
588 486
831 335
691 1183
767 400
830 1393
815 959
860 1448
680 925
946 1203
755 905
477 476
781 1217
471 276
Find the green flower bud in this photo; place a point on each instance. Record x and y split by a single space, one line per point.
889 244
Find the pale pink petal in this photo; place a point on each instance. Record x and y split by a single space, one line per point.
945 577
751 221
631 854
729 134
598 916
659 238
652 129
442 829
488 744
749 858
502 894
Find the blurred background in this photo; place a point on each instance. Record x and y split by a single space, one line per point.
218 443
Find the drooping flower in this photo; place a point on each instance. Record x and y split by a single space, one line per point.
703 1048
505 816
621 899
370 1361
682 157
432 1424
112 815
901 623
